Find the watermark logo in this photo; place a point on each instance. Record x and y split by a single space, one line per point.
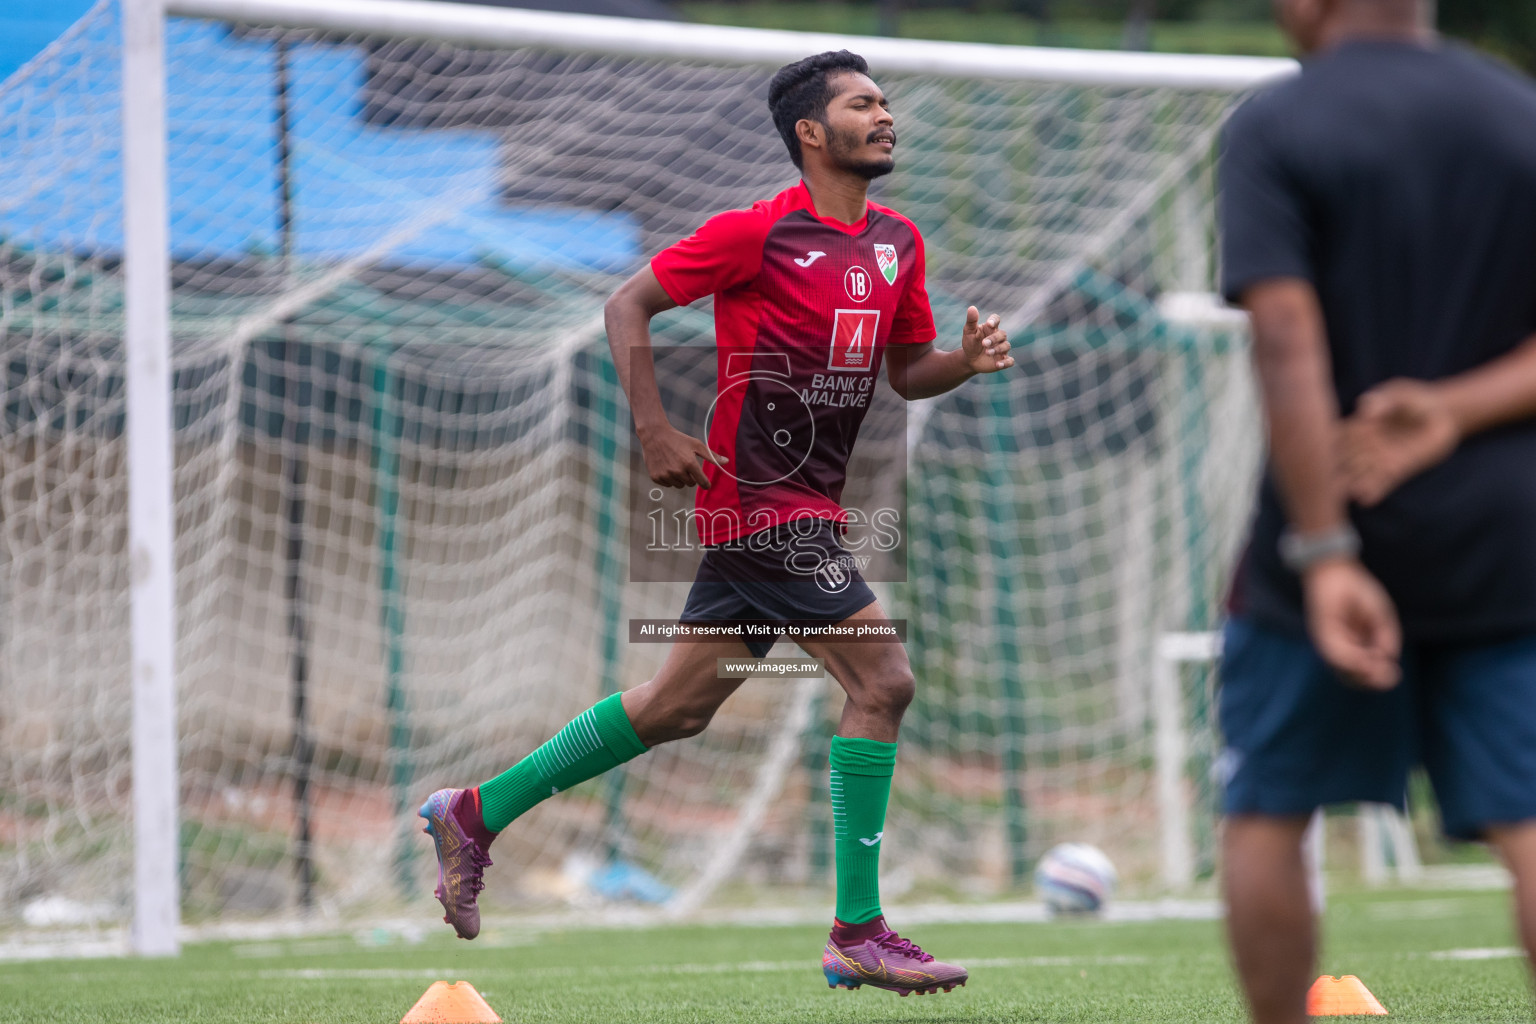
780 411
781 414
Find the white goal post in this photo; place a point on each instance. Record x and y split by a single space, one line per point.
151 512
1102 308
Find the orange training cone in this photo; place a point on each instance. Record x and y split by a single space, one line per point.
1342 997
458 1003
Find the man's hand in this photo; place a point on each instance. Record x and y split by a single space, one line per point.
672 457
1399 429
921 371
1353 624
985 344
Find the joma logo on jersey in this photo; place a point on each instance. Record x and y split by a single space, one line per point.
853 339
885 259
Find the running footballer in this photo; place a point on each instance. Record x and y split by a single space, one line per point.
814 289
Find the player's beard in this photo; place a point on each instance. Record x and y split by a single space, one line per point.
842 145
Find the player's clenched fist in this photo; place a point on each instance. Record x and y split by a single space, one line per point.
672 458
985 344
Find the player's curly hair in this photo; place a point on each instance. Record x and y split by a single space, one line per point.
802 90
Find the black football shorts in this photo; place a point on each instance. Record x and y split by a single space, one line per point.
797 572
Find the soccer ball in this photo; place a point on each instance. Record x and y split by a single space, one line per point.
1075 878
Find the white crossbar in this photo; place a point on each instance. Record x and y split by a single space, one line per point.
502 26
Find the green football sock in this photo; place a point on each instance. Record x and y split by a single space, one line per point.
861 787
594 741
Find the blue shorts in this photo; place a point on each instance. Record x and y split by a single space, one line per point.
797 572
1298 738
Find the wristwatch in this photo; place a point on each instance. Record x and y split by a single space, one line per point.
1301 551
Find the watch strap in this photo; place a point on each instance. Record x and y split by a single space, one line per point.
1301 551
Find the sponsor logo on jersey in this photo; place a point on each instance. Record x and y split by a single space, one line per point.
885 259
853 339
858 283
810 257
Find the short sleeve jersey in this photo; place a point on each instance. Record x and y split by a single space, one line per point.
804 308
1400 180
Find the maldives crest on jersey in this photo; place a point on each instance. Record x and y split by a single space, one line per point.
885 259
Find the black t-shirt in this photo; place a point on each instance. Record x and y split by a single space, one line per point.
1400 180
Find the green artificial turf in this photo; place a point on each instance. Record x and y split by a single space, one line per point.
1063 971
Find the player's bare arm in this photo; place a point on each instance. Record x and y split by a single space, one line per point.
922 371
1350 616
671 457
1403 427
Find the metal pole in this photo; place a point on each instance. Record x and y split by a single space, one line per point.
1010 655
151 523
295 434
1314 844
1171 748
816 749
480 25
1171 755
303 742
1138 26
387 433
1193 443
610 573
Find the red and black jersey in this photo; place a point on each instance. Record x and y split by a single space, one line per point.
804 307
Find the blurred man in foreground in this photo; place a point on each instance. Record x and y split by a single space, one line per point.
1379 225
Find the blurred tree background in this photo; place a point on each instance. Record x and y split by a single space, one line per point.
1504 27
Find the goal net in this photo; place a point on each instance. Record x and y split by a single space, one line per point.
402 460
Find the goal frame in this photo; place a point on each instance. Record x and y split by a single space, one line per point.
147 267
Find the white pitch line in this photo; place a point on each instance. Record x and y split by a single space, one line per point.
1490 953
523 929
744 967
23 950
360 973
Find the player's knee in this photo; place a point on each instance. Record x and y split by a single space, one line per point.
682 722
659 717
893 692
691 724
